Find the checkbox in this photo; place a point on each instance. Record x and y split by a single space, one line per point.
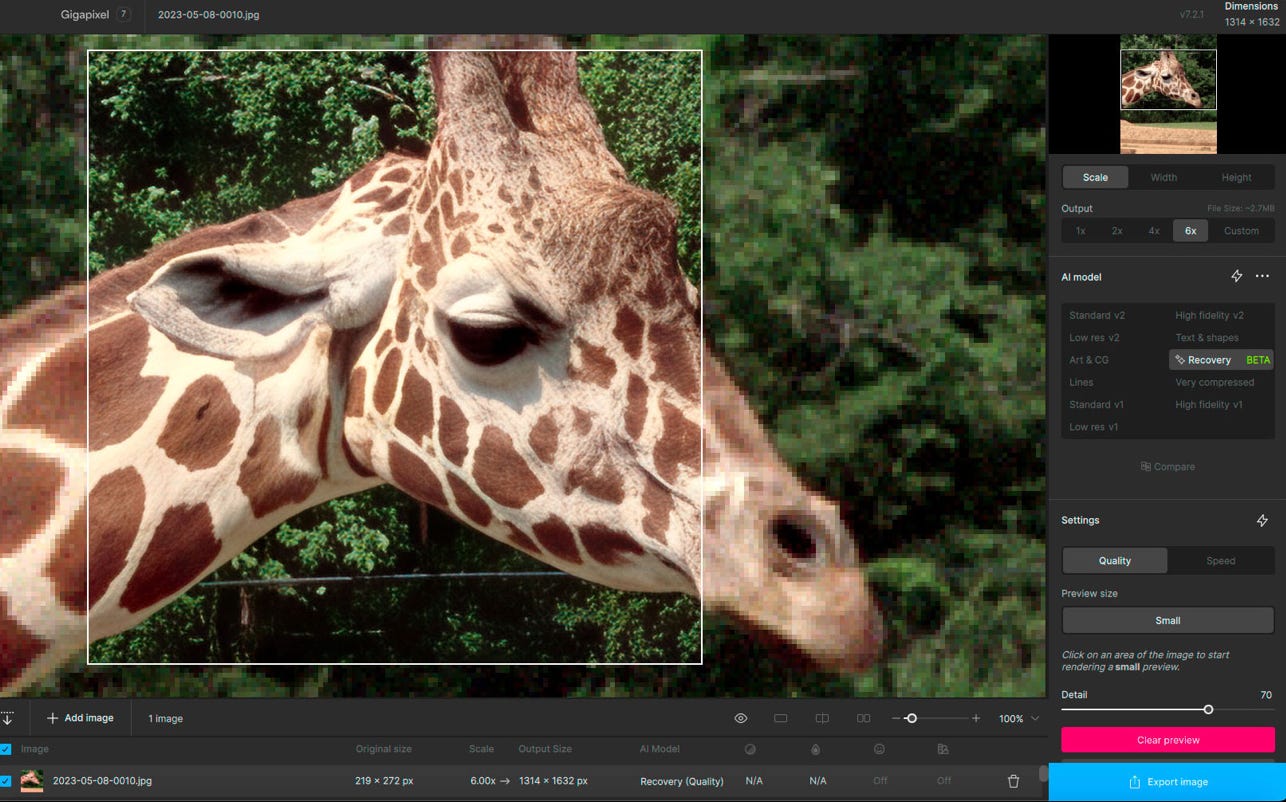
6 781
6 750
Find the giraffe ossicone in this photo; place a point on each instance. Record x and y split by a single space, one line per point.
500 329
1164 75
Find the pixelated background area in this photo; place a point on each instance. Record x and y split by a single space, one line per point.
873 223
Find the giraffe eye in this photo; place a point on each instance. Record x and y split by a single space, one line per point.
491 344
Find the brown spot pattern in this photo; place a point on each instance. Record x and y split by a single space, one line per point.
66 566
18 646
54 399
469 502
375 195
363 176
402 326
558 539
182 550
607 546
581 420
415 477
453 431
115 512
396 202
543 438
456 180
358 467
501 472
30 494
386 382
398 226
202 425
119 397
601 481
386 339
415 413
595 365
519 538
658 503
629 331
656 293
396 176
268 481
356 394
304 415
675 359
460 246
680 443
635 406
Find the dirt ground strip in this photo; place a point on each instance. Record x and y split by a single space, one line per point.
1152 139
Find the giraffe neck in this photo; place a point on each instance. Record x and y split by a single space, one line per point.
191 459
184 457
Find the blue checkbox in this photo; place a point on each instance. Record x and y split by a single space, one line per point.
6 750
6 781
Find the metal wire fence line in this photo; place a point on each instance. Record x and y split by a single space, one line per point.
325 580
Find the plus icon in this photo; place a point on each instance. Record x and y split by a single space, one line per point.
976 718
53 718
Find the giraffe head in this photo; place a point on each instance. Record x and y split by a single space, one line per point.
515 343
1165 75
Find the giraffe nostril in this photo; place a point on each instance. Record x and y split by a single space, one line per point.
795 538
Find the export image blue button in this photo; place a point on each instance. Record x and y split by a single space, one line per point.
1148 781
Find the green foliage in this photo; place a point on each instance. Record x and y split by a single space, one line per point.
874 280
42 198
1199 56
652 120
185 139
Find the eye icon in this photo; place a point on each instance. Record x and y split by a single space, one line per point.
741 718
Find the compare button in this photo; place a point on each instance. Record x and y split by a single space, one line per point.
1169 740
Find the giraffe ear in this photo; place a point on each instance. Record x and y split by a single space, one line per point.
255 301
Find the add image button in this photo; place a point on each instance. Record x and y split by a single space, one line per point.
1169 740
1147 781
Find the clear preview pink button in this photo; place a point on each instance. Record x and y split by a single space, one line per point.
1169 740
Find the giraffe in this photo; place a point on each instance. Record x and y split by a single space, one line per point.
500 329
1165 75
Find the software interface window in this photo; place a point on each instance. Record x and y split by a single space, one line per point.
842 404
